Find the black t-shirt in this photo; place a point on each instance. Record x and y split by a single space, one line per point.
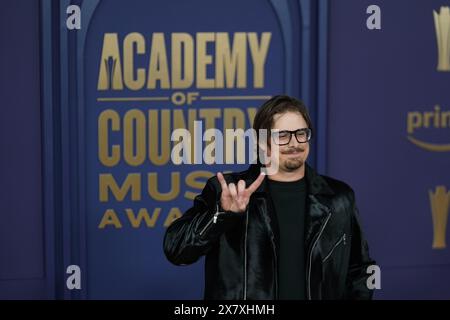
289 199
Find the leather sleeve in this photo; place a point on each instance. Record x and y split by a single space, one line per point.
359 260
196 232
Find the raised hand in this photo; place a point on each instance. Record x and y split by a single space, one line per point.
234 198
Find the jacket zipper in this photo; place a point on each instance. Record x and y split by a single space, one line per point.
310 254
213 220
342 239
276 268
245 255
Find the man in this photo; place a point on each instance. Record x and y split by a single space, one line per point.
291 235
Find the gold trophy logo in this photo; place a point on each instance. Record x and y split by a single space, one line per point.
442 26
440 201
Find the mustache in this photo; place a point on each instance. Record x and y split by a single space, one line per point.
292 150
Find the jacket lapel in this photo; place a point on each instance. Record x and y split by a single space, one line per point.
318 205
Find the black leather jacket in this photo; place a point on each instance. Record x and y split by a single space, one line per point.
241 248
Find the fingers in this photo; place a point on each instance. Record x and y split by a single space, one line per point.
237 195
223 183
241 188
252 188
233 191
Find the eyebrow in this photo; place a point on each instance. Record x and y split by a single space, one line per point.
279 130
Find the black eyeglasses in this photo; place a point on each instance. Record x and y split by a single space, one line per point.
283 137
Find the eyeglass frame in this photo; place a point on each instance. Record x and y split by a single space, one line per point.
308 132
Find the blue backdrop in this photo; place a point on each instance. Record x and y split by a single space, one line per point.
368 92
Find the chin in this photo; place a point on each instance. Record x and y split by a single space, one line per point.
290 165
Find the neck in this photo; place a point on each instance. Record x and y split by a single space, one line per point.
287 176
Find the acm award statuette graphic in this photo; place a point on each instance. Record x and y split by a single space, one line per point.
440 201
442 27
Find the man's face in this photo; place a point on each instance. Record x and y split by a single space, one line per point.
292 156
